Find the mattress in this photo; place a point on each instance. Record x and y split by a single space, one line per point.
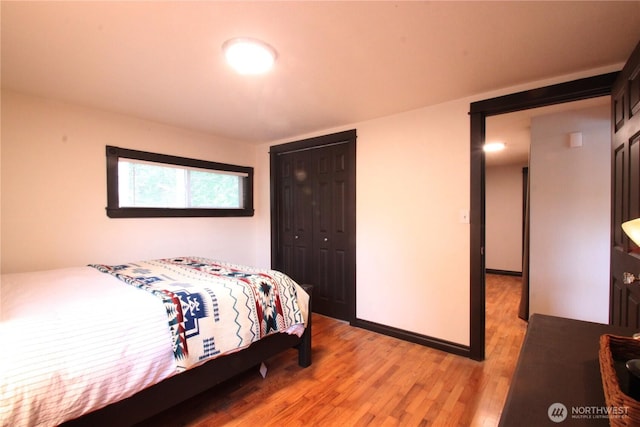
75 340
86 355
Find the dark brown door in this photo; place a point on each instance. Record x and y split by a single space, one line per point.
295 217
314 235
333 207
625 255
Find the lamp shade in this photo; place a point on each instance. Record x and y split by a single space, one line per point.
632 229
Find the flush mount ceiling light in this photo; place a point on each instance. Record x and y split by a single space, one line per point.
249 56
493 146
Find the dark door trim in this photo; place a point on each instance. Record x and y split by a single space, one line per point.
576 90
348 136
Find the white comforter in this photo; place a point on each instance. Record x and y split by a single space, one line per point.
61 376
68 348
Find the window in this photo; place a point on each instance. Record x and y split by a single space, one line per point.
142 184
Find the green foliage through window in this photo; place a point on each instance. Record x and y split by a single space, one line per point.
141 184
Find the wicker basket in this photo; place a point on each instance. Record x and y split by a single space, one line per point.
615 348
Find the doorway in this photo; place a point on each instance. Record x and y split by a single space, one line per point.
504 189
565 92
568 249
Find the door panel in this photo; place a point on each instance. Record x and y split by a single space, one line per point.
341 275
333 246
302 217
634 177
619 163
285 216
617 296
625 255
633 309
295 233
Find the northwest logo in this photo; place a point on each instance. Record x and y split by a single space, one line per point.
557 412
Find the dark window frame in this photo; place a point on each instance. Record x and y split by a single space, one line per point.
113 205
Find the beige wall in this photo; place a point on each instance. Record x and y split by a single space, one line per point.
570 215
503 230
54 190
412 251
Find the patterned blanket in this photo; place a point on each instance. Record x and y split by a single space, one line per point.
214 308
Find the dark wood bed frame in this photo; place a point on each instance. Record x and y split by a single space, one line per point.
178 388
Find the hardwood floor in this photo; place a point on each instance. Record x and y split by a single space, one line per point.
360 378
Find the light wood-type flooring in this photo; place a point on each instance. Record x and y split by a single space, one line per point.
361 378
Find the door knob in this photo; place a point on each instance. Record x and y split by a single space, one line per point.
296 237
326 239
629 278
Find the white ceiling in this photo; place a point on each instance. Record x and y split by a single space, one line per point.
338 62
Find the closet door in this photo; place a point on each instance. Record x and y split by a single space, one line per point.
314 234
295 217
333 207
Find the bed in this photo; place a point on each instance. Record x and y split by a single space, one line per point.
116 344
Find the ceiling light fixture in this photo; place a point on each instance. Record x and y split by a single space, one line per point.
493 146
249 56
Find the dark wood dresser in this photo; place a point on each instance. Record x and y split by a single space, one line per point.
558 364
